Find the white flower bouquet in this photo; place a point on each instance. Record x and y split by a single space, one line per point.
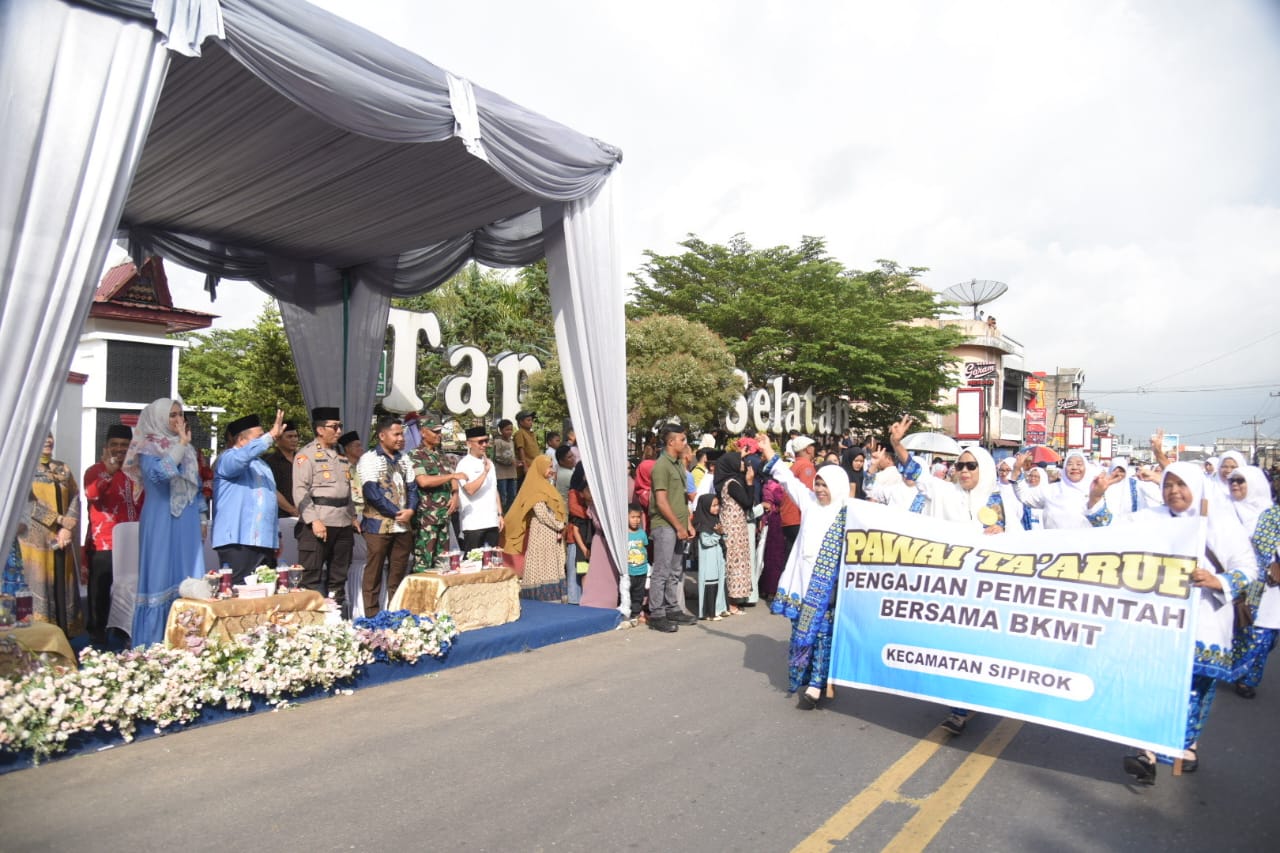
40 710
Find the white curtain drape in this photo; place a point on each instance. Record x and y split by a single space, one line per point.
344 184
587 308
317 334
77 92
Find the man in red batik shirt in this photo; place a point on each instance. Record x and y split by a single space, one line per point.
112 498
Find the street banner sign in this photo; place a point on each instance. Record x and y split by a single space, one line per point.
1091 631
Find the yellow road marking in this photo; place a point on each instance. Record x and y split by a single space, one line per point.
934 810
854 812
946 801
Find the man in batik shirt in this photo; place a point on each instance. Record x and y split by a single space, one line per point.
112 498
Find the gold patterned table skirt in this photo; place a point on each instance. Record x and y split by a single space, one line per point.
473 599
39 638
222 620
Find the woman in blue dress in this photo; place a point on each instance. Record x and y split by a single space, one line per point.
162 462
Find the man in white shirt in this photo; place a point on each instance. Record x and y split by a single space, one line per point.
480 507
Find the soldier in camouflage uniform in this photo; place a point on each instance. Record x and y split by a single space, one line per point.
438 496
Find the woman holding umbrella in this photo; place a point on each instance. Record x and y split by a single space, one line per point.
973 497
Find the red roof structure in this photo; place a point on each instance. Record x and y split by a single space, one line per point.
142 296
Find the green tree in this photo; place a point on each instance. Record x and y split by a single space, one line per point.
799 313
245 371
674 367
490 309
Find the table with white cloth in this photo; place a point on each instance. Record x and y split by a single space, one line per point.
473 599
222 619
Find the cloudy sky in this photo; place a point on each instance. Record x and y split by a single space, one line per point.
1113 162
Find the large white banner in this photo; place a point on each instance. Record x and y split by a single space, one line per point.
1086 630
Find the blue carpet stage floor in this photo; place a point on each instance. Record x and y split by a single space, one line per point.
540 624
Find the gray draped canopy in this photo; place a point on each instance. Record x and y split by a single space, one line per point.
272 142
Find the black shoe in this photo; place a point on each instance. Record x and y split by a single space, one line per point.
1142 768
1244 691
806 702
661 623
681 618
1191 765
954 724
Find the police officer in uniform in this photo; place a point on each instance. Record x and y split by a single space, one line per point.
322 494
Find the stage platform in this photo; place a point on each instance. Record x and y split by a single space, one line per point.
540 624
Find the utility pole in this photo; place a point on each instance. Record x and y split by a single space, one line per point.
1255 423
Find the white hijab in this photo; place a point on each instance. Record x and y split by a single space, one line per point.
152 437
1013 509
815 522
1256 500
1219 492
1235 456
1229 543
1225 534
818 518
951 501
1066 501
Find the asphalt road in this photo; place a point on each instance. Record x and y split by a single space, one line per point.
641 741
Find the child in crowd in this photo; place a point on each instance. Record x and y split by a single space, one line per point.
706 520
637 558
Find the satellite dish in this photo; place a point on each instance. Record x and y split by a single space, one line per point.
975 292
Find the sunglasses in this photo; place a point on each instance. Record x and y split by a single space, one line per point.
333 426
482 441
1236 481
966 466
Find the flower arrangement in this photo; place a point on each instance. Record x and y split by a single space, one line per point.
41 709
398 634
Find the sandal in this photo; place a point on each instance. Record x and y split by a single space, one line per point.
1191 765
1244 691
807 702
1142 768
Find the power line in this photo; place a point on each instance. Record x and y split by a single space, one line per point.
1142 389
1221 430
1216 358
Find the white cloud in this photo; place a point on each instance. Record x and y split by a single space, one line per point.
1113 162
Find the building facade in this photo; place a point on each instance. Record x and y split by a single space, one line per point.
124 360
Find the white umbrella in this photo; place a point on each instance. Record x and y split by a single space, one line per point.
932 442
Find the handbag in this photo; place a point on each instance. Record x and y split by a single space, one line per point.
1244 614
504 452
